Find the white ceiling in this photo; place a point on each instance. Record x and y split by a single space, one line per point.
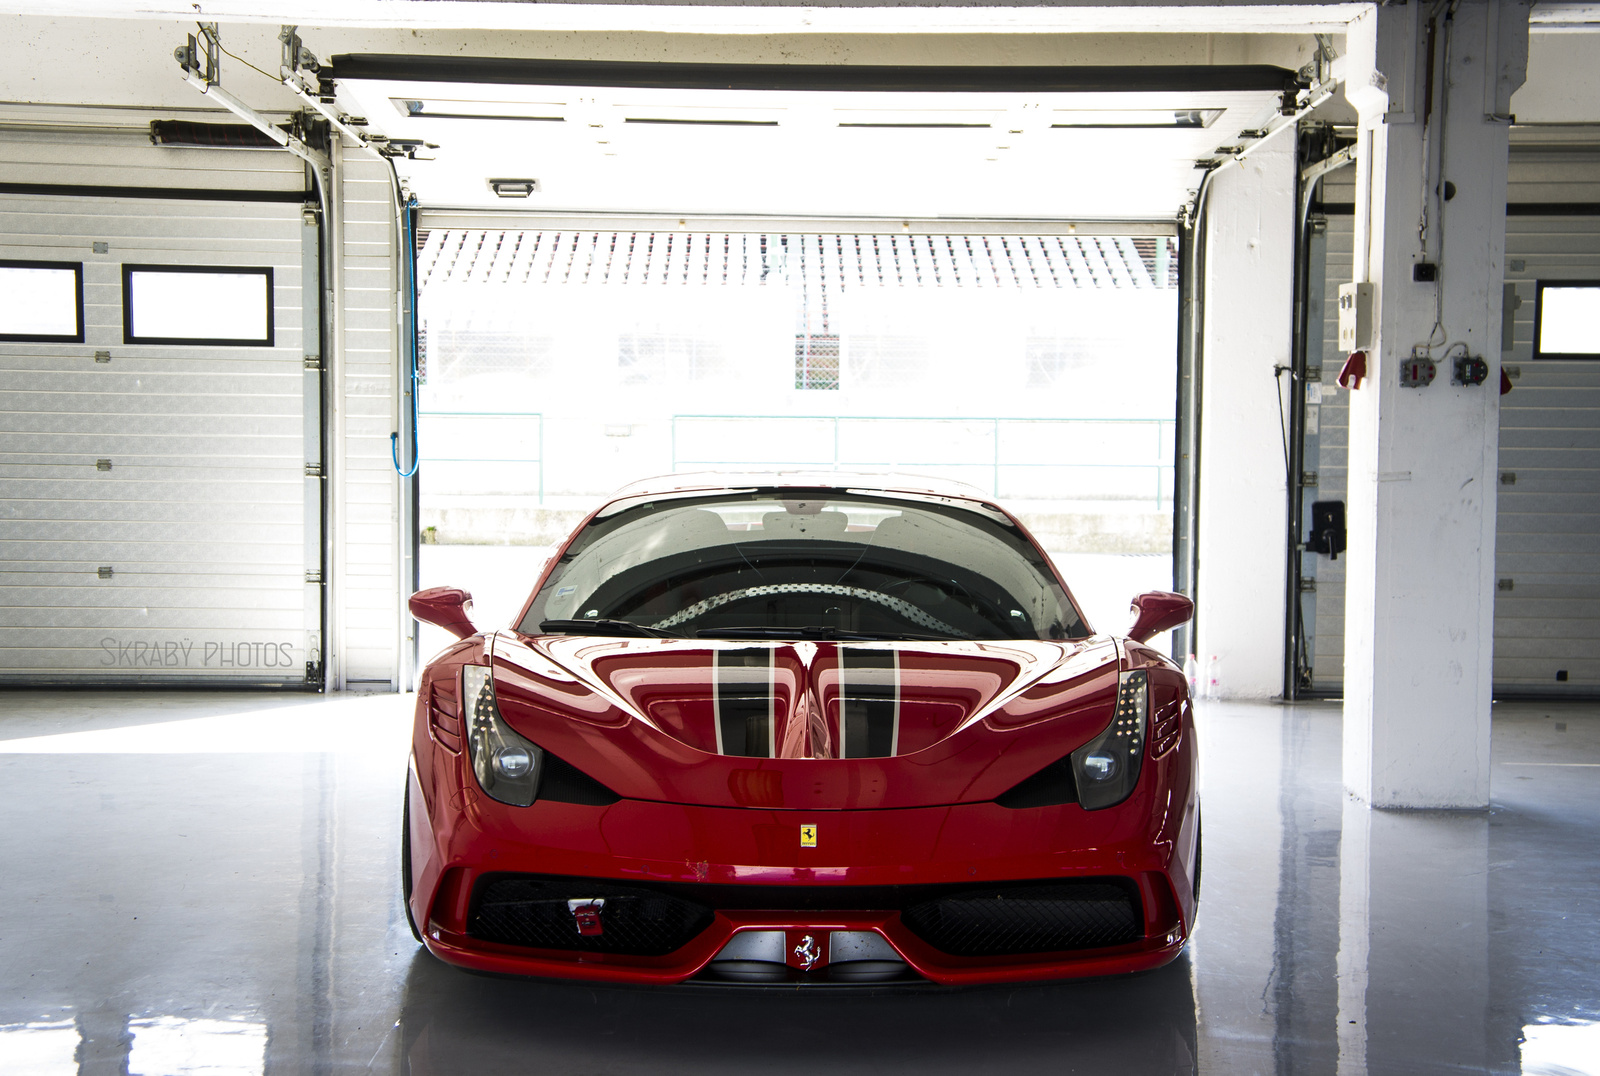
106 63
808 153
747 16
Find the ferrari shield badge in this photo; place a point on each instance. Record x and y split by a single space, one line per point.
808 836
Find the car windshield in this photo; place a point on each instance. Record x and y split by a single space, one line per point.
803 564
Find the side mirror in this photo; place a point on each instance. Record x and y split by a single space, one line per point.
1157 610
447 607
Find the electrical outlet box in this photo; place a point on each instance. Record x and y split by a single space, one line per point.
1470 370
1355 317
1417 372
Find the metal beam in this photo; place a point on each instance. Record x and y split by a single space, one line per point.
847 78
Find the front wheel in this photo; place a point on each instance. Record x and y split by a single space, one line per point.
405 863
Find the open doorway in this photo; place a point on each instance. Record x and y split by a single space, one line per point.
1035 365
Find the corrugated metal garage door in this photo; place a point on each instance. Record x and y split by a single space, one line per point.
1547 543
1547 548
159 524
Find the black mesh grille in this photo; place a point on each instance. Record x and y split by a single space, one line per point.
995 920
1029 919
532 910
565 783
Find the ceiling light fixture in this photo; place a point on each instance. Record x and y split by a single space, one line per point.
534 111
514 188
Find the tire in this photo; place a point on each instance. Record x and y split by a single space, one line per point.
405 863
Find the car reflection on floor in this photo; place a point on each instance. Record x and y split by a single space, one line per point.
1143 1023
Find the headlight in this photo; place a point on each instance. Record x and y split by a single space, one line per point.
507 766
1107 767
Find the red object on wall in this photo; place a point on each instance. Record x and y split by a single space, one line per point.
1505 381
1355 369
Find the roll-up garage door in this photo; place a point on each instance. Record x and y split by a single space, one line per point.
161 514
1547 543
1547 536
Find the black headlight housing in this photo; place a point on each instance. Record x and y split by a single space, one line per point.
506 764
1106 769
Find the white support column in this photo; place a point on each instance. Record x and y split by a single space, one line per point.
1419 624
1249 297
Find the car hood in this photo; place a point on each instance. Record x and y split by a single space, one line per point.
806 725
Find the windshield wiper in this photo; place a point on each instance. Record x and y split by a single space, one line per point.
813 632
605 627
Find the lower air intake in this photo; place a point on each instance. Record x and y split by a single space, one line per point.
1031 919
533 911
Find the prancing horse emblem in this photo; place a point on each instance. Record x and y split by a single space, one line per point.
807 953
808 836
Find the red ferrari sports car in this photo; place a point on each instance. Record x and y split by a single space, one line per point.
801 728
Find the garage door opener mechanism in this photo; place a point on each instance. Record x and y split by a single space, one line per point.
201 62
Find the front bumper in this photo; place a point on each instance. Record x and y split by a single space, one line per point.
694 958
749 862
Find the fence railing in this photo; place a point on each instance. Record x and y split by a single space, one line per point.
1047 459
1015 458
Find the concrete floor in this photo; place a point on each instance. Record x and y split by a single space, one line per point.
207 883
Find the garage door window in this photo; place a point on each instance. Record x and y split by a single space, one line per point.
41 301
181 304
1567 320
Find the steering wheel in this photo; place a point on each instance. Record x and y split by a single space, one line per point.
897 605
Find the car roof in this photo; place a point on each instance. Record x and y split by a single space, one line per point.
884 482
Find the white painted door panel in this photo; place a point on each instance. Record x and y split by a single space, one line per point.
185 557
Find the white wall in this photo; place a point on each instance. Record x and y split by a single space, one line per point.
1249 226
